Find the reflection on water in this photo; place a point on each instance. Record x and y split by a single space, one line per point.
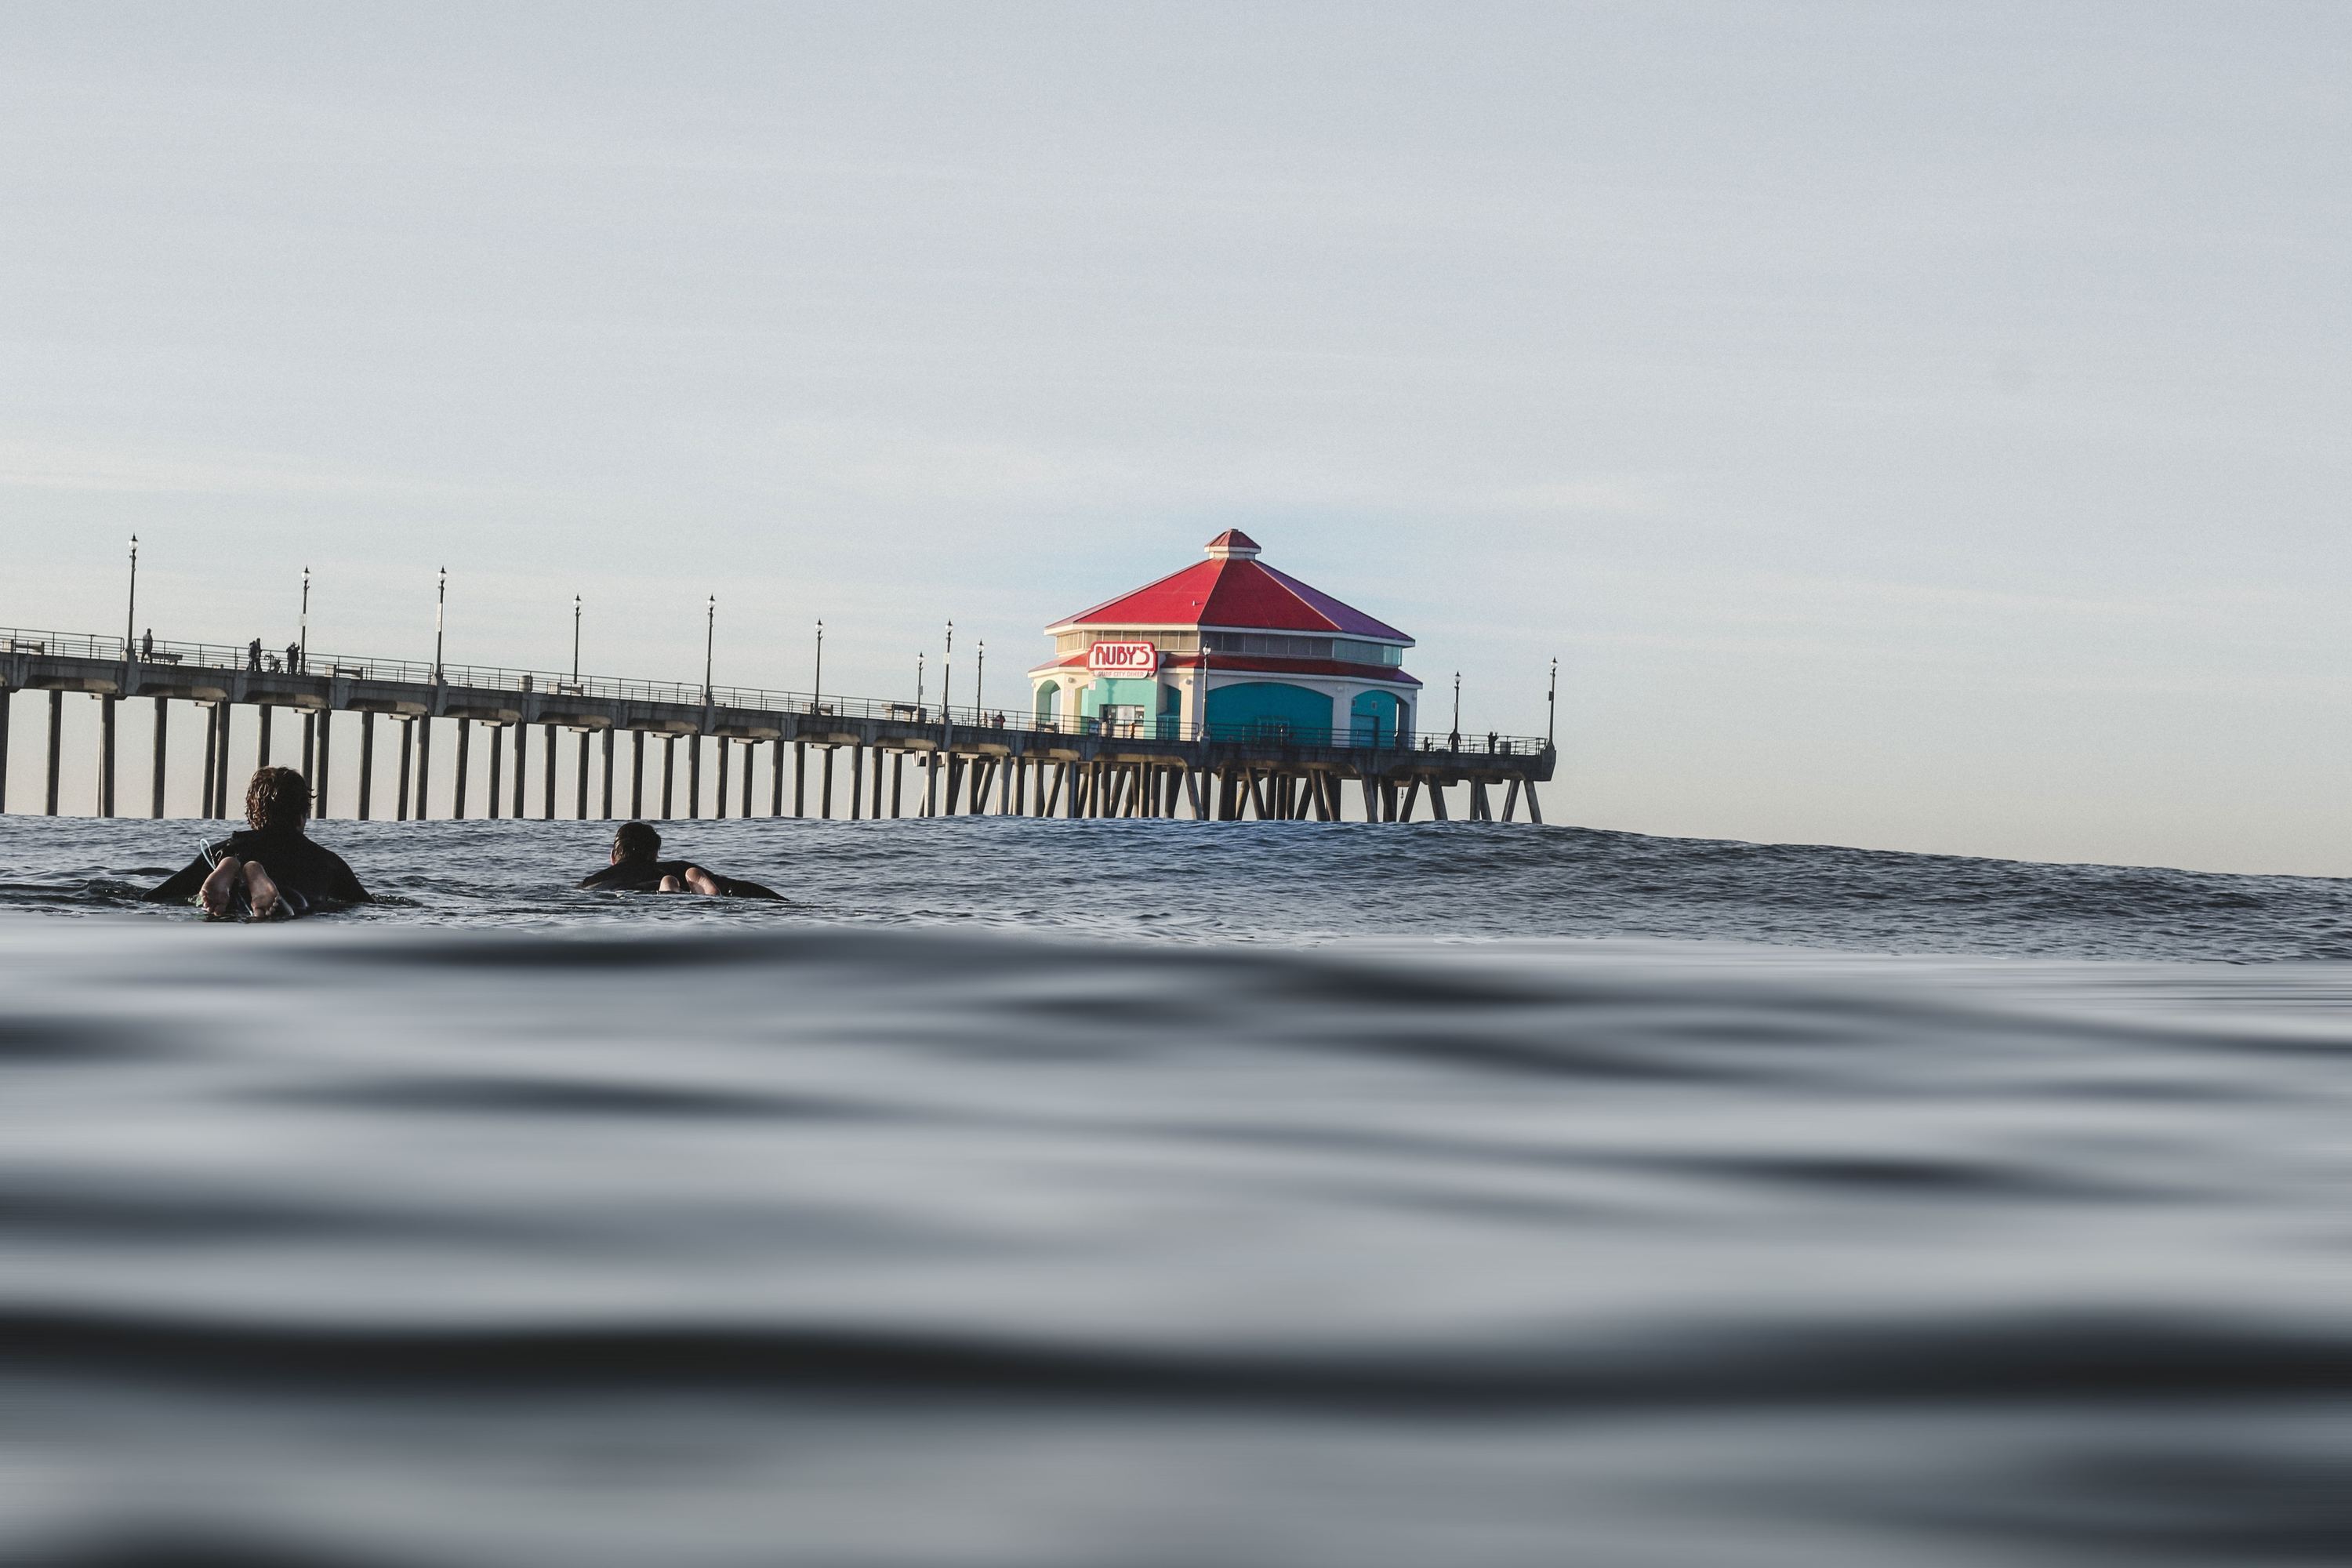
679 1234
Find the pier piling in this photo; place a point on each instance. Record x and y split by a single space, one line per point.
162 732
465 751
367 760
57 743
106 756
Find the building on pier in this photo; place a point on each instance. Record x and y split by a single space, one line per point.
1275 659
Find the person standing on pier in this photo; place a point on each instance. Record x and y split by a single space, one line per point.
637 867
147 645
253 656
272 868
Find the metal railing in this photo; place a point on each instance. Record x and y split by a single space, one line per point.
324 667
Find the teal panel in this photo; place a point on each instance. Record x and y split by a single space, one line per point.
1270 710
1375 719
1049 703
1109 691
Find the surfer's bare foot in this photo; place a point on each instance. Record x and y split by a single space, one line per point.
700 882
260 889
672 885
220 889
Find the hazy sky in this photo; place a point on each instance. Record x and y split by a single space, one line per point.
1922 426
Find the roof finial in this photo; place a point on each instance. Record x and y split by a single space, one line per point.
1233 545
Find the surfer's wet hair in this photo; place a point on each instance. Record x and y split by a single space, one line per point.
635 841
278 797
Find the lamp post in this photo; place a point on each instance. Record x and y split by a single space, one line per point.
440 605
947 679
709 637
978 682
1454 734
130 610
1551 705
1202 717
816 697
919 680
303 627
575 640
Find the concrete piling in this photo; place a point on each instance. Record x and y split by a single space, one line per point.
367 761
106 756
490 807
163 733
325 757
465 751
56 744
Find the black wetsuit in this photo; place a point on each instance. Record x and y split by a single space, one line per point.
645 877
309 876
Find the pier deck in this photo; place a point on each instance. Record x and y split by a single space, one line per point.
967 761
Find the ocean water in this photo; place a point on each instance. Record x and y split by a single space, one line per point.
1047 1194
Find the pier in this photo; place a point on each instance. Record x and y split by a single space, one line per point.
370 729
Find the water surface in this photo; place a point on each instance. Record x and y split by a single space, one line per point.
1048 1192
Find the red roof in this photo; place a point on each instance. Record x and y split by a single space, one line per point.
1235 590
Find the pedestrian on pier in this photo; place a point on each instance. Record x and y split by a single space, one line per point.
253 656
147 645
294 659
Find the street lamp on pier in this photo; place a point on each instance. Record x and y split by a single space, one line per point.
816 696
947 679
130 610
978 684
1551 706
303 627
440 606
709 637
575 640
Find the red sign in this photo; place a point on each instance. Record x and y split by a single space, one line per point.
1123 658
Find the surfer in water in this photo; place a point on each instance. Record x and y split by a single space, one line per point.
637 867
271 870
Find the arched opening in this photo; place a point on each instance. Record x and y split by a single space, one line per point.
1375 719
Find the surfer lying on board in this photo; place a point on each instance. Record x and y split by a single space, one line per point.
637 867
271 868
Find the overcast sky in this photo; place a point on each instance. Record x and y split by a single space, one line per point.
1918 426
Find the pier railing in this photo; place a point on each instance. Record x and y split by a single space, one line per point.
326 667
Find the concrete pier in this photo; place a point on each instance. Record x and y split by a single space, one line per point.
968 766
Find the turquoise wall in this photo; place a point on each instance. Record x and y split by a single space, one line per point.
1049 703
1117 692
1374 718
1270 707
